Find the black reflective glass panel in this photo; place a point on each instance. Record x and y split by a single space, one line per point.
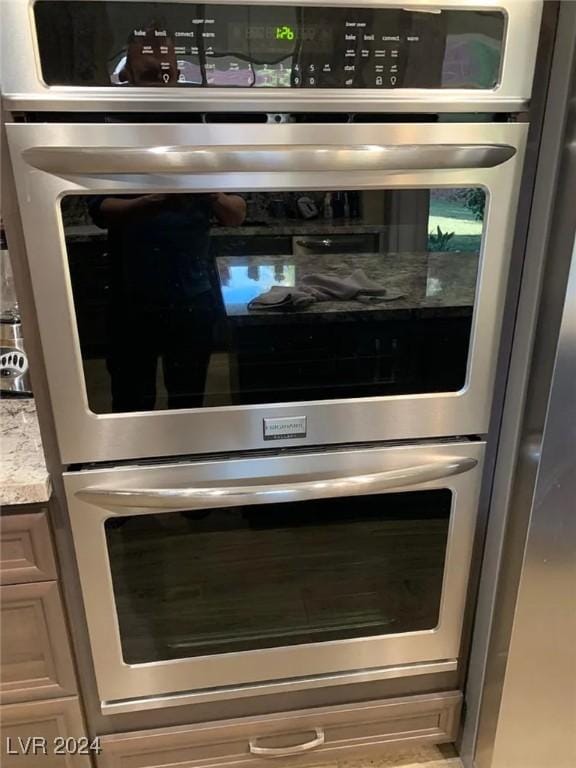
192 45
190 301
223 580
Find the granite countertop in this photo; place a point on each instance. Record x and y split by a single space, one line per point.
327 227
428 284
24 478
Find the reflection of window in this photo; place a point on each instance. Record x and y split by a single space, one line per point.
471 59
455 221
243 283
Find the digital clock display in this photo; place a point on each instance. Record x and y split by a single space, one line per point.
273 39
285 33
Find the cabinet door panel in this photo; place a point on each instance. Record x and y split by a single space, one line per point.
35 654
51 722
26 549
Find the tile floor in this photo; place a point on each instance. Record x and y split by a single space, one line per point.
417 757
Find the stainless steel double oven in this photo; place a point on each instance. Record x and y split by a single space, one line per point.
269 254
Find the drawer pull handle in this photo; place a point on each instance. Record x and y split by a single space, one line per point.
306 746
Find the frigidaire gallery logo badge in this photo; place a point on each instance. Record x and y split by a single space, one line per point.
284 429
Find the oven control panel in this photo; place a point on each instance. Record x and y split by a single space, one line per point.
141 44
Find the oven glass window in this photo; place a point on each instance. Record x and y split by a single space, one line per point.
240 578
205 300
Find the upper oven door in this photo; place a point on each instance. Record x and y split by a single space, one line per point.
269 55
211 288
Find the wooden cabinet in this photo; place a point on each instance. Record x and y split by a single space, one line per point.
34 651
323 734
25 549
50 722
37 681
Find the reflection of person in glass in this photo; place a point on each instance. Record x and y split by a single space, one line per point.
161 302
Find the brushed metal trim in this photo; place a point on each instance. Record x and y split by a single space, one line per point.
23 86
256 159
535 723
156 499
75 100
123 706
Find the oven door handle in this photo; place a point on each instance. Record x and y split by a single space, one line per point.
261 158
240 495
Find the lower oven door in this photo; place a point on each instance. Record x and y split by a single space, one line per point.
254 573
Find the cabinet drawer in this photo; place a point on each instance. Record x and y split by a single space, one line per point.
25 549
315 735
35 655
48 721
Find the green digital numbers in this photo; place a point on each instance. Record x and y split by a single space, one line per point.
284 33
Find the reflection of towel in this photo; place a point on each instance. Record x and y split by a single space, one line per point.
316 287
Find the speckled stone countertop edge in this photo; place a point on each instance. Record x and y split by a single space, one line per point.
274 228
24 478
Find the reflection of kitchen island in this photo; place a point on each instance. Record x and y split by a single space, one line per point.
432 284
417 342
88 232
